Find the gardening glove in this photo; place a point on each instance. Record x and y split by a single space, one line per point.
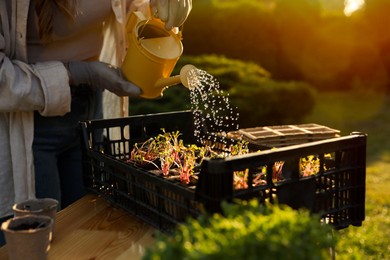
103 75
172 12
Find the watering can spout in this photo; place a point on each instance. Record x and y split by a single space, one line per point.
186 73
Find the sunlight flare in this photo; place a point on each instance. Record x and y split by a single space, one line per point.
351 6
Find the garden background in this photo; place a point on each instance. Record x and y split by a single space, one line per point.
298 61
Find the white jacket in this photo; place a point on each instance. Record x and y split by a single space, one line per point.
25 88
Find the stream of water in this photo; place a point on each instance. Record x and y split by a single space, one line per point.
219 116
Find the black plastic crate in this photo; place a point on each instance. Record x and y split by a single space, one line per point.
337 191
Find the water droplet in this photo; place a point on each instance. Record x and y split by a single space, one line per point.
206 96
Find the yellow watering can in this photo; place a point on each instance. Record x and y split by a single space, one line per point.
151 56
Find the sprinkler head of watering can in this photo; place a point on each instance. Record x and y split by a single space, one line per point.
187 75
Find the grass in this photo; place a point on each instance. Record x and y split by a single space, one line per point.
368 113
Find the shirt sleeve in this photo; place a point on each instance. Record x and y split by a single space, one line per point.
140 5
40 87
123 7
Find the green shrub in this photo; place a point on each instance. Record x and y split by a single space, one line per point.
228 71
304 40
259 99
272 102
242 29
247 231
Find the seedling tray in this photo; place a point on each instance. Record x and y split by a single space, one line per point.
336 191
285 135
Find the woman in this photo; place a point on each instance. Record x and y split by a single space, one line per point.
54 63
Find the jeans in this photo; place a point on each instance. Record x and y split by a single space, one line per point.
57 148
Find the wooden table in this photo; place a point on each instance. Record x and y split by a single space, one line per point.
92 228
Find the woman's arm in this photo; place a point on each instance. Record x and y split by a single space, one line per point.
43 86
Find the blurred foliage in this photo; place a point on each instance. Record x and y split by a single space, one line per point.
292 42
247 231
259 99
370 114
305 40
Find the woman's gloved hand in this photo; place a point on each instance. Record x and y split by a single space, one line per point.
99 74
172 12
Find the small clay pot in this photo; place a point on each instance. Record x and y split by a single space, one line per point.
43 207
28 237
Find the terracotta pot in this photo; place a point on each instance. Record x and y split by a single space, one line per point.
45 206
28 237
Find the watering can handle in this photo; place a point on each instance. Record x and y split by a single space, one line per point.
136 17
132 21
